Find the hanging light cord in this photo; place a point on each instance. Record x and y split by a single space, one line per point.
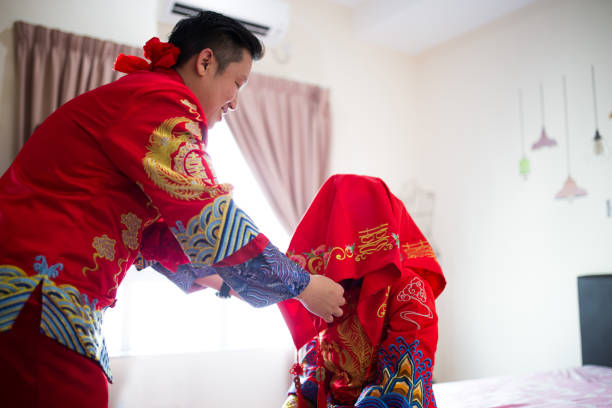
542 104
594 96
566 124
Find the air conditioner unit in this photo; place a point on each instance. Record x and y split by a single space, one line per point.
267 19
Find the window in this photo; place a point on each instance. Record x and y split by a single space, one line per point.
153 316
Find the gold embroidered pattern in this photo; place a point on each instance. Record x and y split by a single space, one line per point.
420 249
175 162
382 309
291 402
374 240
193 109
105 248
341 253
371 240
130 235
149 220
349 355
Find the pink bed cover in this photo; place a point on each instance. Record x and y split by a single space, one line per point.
587 386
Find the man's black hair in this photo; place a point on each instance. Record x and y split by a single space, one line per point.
225 36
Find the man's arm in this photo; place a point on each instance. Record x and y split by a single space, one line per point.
159 145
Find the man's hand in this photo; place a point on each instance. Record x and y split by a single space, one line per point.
323 297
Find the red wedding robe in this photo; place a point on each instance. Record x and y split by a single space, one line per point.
116 172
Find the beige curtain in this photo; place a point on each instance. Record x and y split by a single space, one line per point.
53 67
284 130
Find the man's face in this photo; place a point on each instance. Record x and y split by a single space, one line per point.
218 93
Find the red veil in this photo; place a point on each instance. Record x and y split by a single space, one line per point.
357 229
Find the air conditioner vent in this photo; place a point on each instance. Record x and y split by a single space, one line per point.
188 11
267 19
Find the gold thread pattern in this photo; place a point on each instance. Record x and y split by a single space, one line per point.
192 109
420 249
176 163
349 355
382 309
130 235
373 240
105 248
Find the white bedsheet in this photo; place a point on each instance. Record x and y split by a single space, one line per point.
587 386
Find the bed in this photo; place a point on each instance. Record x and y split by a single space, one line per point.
587 386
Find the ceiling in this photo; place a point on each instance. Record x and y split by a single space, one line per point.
414 26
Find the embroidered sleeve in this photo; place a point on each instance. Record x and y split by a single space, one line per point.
160 145
185 275
406 356
268 278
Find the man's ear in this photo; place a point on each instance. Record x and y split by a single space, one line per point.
204 62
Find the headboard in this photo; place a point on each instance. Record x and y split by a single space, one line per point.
595 305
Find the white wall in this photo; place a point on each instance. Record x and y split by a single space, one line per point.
247 378
510 252
371 88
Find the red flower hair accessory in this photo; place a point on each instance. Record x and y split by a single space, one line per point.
161 55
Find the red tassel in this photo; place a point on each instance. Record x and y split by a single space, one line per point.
296 370
301 402
320 376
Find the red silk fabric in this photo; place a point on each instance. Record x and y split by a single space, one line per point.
357 229
161 55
